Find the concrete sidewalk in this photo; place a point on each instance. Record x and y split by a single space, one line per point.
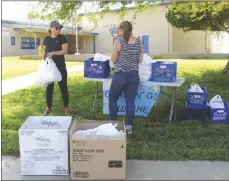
139 170
24 81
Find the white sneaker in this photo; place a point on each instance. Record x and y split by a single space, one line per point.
129 129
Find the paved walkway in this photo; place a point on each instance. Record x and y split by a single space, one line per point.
139 170
24 81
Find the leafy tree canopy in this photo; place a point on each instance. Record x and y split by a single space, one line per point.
206 16
67 11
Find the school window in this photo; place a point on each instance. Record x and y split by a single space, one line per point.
12 40
29 42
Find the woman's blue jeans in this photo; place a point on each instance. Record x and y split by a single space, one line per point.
128 83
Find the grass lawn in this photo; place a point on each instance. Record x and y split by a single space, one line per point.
152 138
14 66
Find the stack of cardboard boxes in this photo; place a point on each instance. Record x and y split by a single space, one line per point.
49 146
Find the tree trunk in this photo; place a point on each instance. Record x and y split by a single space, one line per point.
226 69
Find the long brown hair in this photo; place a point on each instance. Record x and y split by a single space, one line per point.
127 28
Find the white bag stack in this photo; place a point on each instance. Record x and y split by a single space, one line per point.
145 68
216 102
107 129
100 57
48 73
195 88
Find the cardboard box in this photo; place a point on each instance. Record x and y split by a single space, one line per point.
97 157
44 144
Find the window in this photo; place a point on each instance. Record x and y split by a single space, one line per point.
29 42
12 40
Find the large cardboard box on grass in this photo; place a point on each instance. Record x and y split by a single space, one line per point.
44 144
95 157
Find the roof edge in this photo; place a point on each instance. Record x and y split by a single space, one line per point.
32 24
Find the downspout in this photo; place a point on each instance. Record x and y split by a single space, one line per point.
169 51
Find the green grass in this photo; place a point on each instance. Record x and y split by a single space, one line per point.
152 137
14 66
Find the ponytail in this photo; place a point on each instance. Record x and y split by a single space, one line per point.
127 28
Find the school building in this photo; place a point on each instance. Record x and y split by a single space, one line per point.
157 35
22 38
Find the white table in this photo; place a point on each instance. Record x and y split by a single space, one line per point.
174 85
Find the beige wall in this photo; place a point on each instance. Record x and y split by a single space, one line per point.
219 43
151 22
163 39
72 43
190 42
15 50
86 46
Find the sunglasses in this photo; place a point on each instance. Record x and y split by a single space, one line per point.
58 28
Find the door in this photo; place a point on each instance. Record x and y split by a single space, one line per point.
145 42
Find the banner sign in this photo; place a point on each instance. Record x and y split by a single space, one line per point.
147 95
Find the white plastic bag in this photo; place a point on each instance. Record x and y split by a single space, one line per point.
147 59
41 74
195 88
216 102
100 57
52 73
145 68
107 129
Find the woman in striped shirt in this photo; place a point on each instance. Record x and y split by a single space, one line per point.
127 54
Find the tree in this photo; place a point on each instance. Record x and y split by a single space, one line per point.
67 11
205 16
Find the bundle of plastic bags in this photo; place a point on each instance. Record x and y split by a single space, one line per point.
100 57
107 129
217 102
47 73
145 68
195 88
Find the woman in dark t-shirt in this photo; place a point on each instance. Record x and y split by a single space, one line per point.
55 46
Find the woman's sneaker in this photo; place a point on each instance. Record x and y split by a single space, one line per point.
47 111
67 111
129 129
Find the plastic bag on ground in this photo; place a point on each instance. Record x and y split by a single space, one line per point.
107 129
52 73
216 102
195 88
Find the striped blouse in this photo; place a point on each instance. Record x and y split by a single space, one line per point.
128 56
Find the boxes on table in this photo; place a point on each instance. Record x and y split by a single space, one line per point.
196 104
43 142
96 69
220 115
164 71
94 157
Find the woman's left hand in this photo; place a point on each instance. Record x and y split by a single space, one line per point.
50 54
